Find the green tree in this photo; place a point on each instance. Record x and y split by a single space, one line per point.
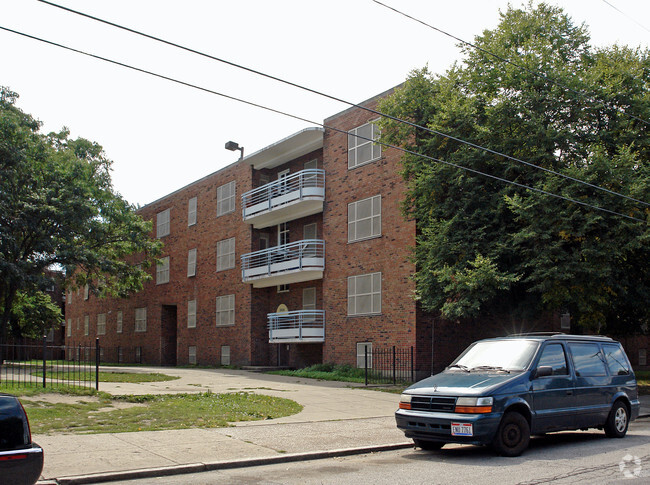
33 314
59 209
484 245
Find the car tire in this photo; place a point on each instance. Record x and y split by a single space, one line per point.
429 445
513 435
617 421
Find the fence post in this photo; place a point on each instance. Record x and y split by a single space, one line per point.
394 369
97 363
44 368
412 370
365 365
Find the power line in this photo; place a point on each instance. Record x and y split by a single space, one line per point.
340 100
626 15
306 120
586 97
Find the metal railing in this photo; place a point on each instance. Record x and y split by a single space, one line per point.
305 254
389 366
28 365
301 185
297 326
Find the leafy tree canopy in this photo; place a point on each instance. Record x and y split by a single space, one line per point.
59 209
484 245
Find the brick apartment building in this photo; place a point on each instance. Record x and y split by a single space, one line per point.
297 254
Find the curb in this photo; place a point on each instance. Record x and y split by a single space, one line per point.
218 465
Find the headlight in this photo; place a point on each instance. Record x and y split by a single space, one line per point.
405 401
474 405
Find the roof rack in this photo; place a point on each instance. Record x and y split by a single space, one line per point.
530 334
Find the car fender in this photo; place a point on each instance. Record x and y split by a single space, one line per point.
519 404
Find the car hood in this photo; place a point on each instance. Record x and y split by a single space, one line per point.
464 383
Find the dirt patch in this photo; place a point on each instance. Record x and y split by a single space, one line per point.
68 399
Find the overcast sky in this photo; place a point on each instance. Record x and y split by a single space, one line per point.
162 136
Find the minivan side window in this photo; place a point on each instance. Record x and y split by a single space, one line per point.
616 360
553 356
588 360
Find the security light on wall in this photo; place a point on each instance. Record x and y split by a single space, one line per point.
232 146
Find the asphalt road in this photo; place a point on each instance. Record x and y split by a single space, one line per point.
560 458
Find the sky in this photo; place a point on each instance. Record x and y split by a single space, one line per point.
162 136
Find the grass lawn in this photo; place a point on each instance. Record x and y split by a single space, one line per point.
102 413
643 379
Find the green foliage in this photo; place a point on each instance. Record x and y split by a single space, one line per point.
34 314
487 246
58 208
326 372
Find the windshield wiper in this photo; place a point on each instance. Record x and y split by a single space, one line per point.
461 367
490 367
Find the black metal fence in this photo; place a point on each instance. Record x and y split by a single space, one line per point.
28 365
389 366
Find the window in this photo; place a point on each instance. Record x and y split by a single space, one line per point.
162 271
553 356
616 360
565 321
225 310
120 355
69 329
311 180
191 354
225 355
50 335
283 234
588 360
86 292
310 231
361 148
191 314
141 319
363 349
364 294
226 198
162 223
86 325
191 211
138 355
69 300
283 288
78 323
191 262
101 324
364 219
120 321
226 254
309 299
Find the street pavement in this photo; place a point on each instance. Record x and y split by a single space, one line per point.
337 419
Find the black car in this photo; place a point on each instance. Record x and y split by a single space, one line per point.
501 390
21 460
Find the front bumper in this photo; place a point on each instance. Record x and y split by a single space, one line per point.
436 426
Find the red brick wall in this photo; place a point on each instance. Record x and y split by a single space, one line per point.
388 254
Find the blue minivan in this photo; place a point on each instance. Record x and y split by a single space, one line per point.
500 391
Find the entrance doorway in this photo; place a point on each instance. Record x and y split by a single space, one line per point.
168 335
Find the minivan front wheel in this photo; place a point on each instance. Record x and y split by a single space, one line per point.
617 421
513 435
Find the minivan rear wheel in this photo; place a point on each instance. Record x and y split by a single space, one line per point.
617 421
513 435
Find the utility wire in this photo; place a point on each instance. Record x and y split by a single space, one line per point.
334 98
626 15
300 118
586 97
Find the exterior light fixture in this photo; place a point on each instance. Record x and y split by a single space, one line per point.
232 146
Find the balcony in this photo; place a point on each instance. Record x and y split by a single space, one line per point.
303 326
281 265
298 195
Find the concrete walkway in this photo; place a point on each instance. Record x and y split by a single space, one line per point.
337 419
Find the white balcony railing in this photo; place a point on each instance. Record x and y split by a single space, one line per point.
300 326
292 197
289 263
304 326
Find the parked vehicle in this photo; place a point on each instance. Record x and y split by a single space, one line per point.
500 391
21 460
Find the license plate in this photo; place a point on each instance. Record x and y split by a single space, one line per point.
462 429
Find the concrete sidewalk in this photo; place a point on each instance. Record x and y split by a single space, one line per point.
336 420
335 416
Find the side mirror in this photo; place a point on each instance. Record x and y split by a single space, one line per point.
543 371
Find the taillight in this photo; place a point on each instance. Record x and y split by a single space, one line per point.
28 431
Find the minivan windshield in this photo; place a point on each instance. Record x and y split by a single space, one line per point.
507 355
